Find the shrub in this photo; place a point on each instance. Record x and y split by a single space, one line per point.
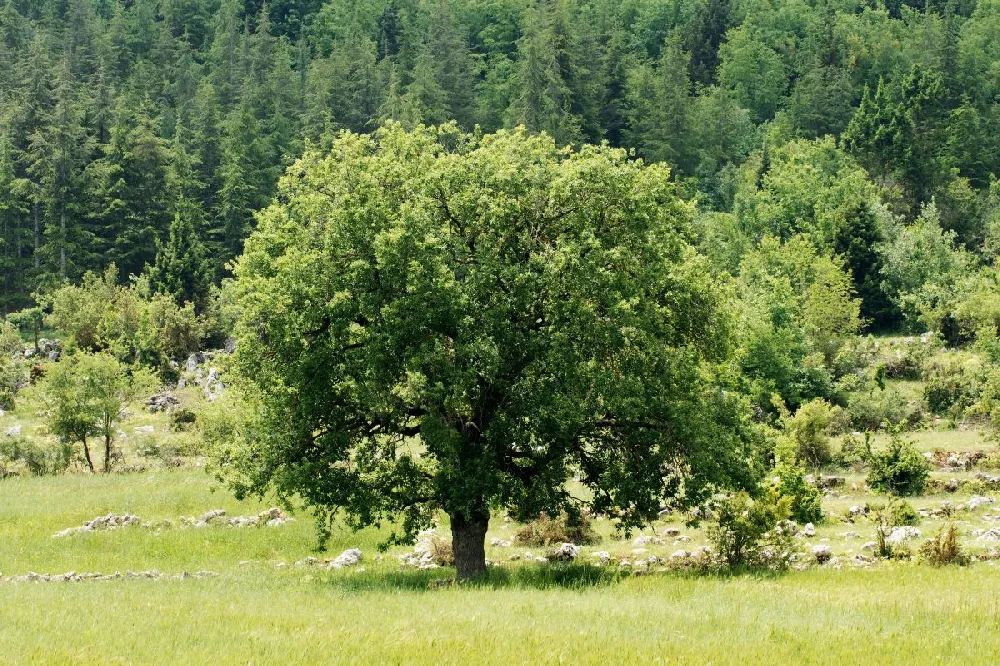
854 450
750 533
899 469
38 460
442 553
789 481
943 549
879 409
897 513
952 383
565 528
182 419
808 429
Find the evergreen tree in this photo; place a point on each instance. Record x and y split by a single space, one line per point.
182 270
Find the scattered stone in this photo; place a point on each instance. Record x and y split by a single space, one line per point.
645 540
977 501
161 402
541 560
822 553
501 543
809 530
850 535
992 534
869 545
672 532
108 522
13 431
603 555
680 555
567 552
903 533
74 577
348 558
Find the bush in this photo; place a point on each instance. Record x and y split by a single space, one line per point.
879 409
808 429
546 531
896 513
943 549
182 419
952 383
749 533
854 450
789 481
38 460
898 470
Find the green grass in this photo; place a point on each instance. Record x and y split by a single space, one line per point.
524 613
900 615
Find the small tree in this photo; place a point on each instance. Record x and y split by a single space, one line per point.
439 321
86 394
899 469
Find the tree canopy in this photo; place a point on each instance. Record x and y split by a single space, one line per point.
438 320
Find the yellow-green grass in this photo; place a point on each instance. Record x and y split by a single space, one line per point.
524 614
898 614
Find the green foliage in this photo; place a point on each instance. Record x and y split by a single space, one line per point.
564 528
492 300
943 549
899 469
750 533
85 395
789 481
153 330
37 459
952 383
809 429
182 270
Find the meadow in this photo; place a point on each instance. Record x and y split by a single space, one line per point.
256 610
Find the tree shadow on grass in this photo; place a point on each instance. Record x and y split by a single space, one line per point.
527 576
562 576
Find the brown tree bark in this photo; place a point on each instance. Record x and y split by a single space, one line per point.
86 454
468 542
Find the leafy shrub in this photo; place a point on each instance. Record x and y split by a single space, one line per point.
182 419
565 528
952 383
943 549
10 339
750 533
12 379
38 460
897 513
806 501
442 553
879 409
854 450
808 429
899 469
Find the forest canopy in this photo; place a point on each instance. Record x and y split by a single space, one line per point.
147 133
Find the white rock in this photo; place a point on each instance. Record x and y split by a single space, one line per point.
603 556
977 501
567 552
348 558
809 530
680 555
901 534
822 553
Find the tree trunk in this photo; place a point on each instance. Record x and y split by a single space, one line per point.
86 454
468 542
107 453
38 236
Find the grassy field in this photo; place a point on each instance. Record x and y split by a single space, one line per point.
256 611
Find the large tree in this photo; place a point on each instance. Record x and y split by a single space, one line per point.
437 321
